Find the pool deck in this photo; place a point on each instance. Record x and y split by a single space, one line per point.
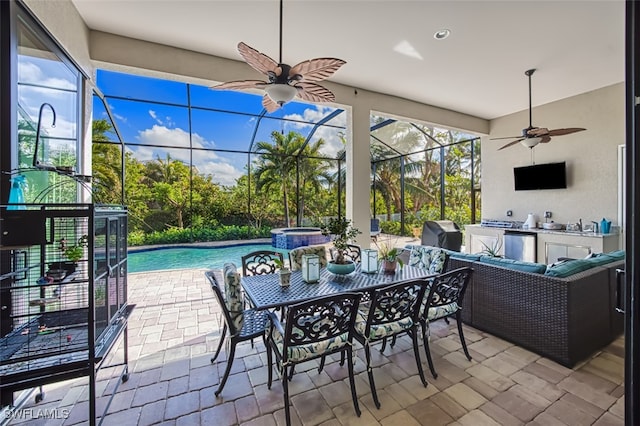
175 327
210 244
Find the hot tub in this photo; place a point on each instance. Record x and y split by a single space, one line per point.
289 238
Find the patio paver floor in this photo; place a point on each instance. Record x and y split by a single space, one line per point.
174 330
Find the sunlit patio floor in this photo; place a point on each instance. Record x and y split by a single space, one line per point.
174 330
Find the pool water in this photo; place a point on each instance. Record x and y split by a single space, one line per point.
192 257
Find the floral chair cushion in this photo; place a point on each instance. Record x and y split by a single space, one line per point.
431 258
379 331
295 256
233 294
298 353
442 311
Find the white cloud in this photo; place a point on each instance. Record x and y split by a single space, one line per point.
153 115
208 162
333 144
29 72
221 170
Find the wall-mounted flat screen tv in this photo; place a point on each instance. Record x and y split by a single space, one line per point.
540 176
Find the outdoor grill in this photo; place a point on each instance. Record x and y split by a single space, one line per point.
442 233
60 318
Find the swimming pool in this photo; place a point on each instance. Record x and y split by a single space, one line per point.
158 259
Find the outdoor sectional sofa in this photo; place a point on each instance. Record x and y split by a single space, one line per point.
564 312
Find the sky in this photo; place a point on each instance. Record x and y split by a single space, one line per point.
151 111
152 114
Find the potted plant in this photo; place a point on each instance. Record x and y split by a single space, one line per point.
341 232
285 273
73 252
389 256
492 250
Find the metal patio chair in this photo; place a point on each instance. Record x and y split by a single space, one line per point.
313 329
242 324
394 310
443 301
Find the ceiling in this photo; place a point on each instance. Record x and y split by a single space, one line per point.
576 46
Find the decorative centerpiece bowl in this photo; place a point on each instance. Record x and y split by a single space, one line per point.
341 268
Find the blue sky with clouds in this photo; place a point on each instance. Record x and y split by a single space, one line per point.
151 111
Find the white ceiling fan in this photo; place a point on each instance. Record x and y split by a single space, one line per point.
284 81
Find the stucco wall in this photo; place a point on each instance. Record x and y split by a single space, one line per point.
591 158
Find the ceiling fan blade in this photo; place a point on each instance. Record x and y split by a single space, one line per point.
511 143
567 131
269 104
241 84
545 139
314 92
538 131
258 61
506 137
315 69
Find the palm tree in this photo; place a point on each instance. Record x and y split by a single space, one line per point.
276 165
314 174
106 160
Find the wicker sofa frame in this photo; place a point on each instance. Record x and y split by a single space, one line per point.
563 319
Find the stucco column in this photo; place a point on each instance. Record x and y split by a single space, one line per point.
358 172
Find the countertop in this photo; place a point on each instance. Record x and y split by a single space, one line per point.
547 231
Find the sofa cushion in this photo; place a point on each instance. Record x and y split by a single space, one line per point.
570 267
600 259
616 255
469 257
518 265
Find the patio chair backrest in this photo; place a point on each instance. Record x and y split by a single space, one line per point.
295 256
233 294
232 319
446 293
394 303
321 324
261 262
434 259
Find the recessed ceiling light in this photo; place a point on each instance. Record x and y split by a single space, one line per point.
441 34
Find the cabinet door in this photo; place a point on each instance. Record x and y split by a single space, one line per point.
554 251
578 252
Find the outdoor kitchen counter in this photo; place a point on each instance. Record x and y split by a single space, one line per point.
551 244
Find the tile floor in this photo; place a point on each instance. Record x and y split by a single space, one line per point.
174 330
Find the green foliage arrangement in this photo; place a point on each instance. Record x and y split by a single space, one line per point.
387 251
74 252
341 232
492 250
189 235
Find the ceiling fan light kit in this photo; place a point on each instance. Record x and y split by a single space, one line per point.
285 82
281 93
532 136
531 142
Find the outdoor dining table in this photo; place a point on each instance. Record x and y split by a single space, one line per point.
265 291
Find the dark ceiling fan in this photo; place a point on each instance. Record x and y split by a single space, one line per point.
285 82
532 136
